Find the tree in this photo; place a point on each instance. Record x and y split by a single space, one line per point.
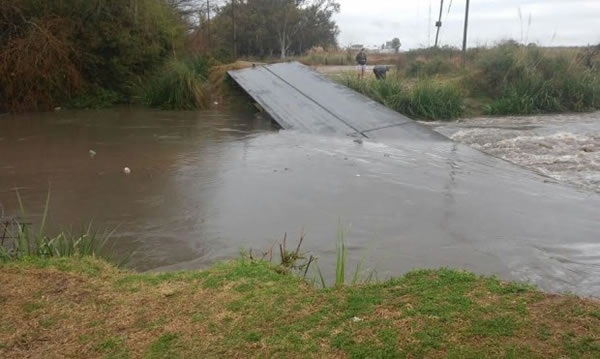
268 27
66 49
396 44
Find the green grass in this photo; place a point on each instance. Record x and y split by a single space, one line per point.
506 79
250 308
165 346
528 80
180 85
94 97
25 241
113 348
423 99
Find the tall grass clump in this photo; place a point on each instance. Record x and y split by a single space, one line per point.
531 80
425 99
26 242
349 79
319 56
422 67
341 264
428 100
340 258
180 85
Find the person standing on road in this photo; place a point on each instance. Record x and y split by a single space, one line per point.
361 60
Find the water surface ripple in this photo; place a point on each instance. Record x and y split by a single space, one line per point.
205 184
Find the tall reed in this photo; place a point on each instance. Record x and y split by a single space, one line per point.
341 263
27 242
180 85
424 99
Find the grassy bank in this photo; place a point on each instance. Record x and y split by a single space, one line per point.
425 99
507 79
83 307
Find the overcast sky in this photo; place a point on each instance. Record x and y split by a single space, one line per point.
553 22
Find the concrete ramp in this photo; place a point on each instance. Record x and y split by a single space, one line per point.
300 98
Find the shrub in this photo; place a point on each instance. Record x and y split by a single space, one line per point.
94 97
436 66
496 68
531 80
54 51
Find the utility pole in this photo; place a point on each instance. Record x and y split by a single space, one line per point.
208 22
233 26
438 24
464 49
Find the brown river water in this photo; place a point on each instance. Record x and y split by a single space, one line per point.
204 185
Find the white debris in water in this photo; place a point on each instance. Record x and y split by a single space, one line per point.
563 147
92 153
126 170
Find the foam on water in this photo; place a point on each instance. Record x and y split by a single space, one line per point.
563 147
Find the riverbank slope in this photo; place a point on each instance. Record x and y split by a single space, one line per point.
88 308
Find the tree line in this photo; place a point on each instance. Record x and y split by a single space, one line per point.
86 52
265 28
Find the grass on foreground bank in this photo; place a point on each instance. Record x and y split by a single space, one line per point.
84 307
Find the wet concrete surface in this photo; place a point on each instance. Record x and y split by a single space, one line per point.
205 184
299 98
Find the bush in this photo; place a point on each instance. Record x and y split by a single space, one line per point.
436 66
94 97
54 51
181 84
531 80
494 69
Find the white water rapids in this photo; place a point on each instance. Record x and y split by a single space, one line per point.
564 147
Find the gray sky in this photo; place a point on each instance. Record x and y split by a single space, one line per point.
553 22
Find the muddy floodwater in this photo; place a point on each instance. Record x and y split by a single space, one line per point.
204 185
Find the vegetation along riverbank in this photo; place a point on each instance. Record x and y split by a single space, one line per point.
507 79
173 55
97 53
59 298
